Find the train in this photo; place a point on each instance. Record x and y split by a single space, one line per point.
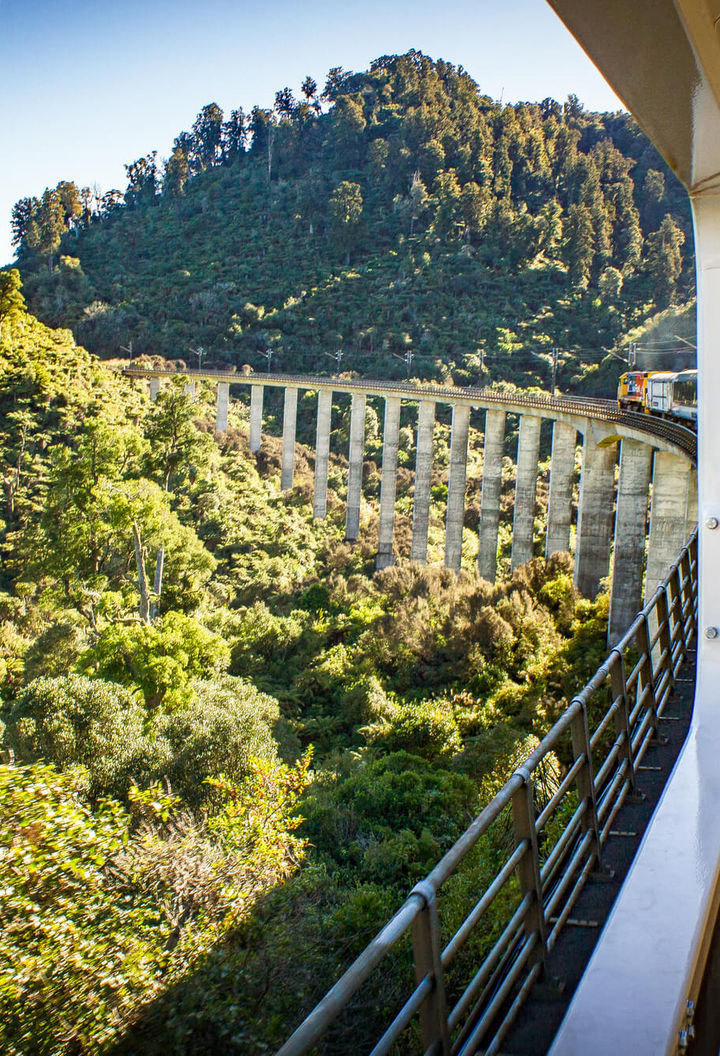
662 393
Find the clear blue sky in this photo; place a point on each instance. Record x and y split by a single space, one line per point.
91 84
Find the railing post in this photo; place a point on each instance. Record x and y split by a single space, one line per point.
676 608
647 681
689 595
585 781
664 639
523 809
622 714
427 959
692 553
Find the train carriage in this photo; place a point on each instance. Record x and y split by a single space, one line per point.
631 390
665 394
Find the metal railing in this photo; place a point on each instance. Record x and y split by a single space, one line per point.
553 817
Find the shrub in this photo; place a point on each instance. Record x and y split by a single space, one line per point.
78 953
85 721
161 660
427 728
227 727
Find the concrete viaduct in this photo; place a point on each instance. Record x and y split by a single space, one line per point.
656 458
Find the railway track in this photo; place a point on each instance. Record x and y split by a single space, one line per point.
586 407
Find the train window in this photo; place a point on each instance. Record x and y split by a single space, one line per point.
685 393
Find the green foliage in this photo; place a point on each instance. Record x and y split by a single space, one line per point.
472 228
161 660
229 727
462 218
11 300
389 819
427 728
79 952
75 721
101 913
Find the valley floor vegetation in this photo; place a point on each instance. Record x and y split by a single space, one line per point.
231 746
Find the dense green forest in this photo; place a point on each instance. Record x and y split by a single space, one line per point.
225 781
399 214
229 745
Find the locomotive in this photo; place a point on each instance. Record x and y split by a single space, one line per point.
662 393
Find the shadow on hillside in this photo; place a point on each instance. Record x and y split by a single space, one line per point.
250 991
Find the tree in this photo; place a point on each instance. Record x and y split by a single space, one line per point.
75 721
610 283
550 227
235 133
262 128
664 259
70 200
207 130
142 180
285 104
161 660
309 90
178 450
653 199
579 250
11 299
627 235
22 213
46 226
177 171
99 518
474 205
349 123
447 201
346 206
335 83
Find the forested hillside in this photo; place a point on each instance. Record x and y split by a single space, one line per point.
399 214
228 745
227 776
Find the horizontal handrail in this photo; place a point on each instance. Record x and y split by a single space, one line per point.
609 725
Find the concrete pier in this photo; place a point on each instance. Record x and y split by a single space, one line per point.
630 533
388 483
525 489
288 437
562 469
154 388
673 505
596 514
490 500
355 464
190 388
455 513
222 405
256 410
423 472
322 454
